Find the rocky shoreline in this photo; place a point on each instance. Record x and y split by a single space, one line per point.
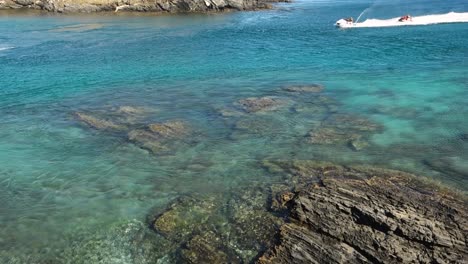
367 215
156 6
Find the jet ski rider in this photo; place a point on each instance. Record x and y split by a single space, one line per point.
350 20
405 18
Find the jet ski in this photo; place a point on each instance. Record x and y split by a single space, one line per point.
345 23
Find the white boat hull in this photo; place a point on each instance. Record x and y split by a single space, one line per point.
344 24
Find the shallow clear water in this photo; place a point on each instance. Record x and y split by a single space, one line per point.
58 177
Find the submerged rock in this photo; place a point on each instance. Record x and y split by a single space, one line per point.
358 144
171 129
209 248
261 104
331 135
449 165
99 123
368 215
78 28
352 122
119 118
251 226
147 140
311 88
260 126
342 129
184 218
233 228
130 242
159 137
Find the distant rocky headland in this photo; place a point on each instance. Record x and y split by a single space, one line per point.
158 6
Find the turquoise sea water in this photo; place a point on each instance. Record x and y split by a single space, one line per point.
60 179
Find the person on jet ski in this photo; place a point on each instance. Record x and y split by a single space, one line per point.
404 18
349 20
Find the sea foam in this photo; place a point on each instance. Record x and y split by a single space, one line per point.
5 48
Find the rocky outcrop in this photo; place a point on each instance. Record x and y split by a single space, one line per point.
366 215
167 6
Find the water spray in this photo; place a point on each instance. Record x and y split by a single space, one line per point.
362 13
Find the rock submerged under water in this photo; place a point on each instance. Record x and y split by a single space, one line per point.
159 137
217 229
98 122
311 88
129 123
344 129
368 215
161 6
261 104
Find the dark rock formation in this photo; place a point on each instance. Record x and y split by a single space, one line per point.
368 215
167 6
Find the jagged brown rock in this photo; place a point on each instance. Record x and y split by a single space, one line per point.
368 215
166 6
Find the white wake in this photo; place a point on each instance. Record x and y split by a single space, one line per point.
5 48
451 17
